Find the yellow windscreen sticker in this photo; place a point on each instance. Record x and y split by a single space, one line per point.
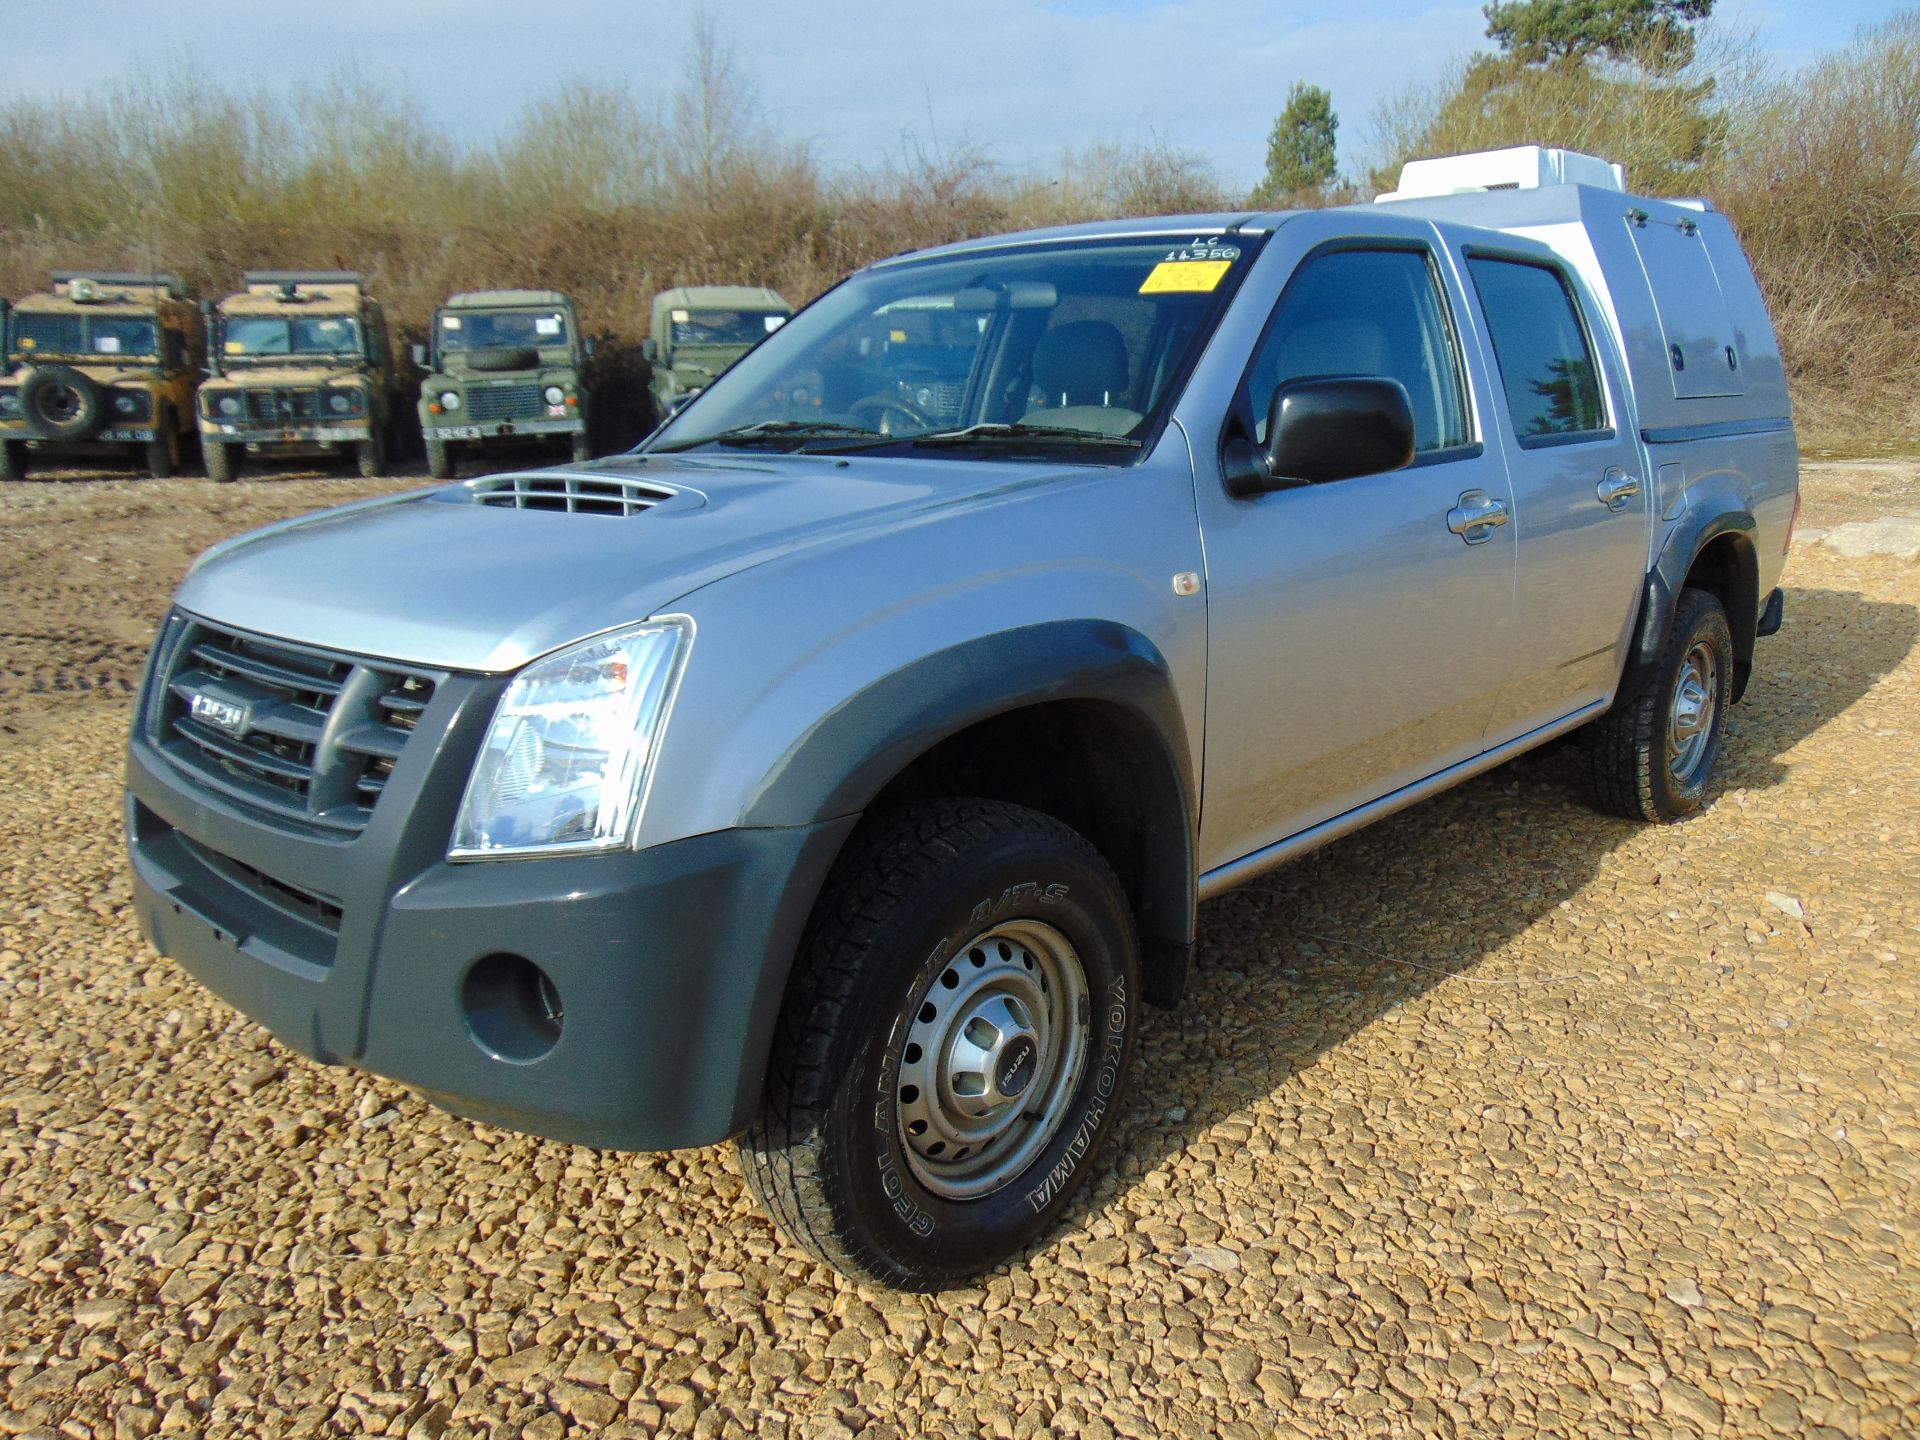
234 347
1171 276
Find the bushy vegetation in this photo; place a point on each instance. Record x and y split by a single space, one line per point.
612 195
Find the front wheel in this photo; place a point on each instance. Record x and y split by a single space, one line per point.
219 459
582 451
1654 756
952 1047
439 462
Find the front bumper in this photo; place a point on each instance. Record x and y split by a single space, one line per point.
107 435
503 429
300 433
670 962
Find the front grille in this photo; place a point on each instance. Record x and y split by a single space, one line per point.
505 402
301 733
282 404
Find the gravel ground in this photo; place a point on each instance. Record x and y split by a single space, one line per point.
1501 1118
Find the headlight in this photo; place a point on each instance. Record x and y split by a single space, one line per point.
449 399
344 402
229 404
9 402
568 757
132 406
555 394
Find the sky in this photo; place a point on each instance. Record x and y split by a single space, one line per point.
1023 80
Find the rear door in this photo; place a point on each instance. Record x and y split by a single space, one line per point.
1357 631
1580 493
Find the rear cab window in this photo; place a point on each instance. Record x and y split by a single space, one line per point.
1545 355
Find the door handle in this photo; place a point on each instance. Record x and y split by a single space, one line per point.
1616 488
1475 517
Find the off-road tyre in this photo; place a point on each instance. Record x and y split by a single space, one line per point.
89 403
439 462
162 453
219 459
828 1157
370 457
13 460
1630 751
582 450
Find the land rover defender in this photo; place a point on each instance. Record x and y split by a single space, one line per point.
301 365
504 365
698 331
845 785
102 364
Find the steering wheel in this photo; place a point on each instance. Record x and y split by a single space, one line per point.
877 410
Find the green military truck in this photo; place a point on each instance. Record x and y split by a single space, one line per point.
698 331
101 363
504 365
301 365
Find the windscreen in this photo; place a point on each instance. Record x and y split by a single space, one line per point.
84 335
724 327
1080 346
252 336
502 330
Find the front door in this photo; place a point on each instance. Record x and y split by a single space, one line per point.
1358 632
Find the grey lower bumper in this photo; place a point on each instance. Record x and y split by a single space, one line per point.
503 429
302 434
670 963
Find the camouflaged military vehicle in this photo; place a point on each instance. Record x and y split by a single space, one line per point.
300 364
698 331
100 364
503 365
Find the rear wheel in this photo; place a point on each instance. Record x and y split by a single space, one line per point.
13 460
1653 757
163 451
371 456
219 459
439 462
952 1046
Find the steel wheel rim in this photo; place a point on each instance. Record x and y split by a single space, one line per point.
1694 713
996 1045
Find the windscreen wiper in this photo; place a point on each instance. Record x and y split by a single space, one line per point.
777 430
991 432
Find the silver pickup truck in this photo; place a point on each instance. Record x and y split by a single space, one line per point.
841 771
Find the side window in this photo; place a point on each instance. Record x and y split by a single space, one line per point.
1546 364
1366 312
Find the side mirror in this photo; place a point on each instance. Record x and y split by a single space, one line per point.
591 346
650 350
6 338
419 355
1324 429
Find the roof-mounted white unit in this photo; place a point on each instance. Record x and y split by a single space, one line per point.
1524 167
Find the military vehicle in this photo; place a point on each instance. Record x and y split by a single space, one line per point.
300 364
503 364
101 362
698 331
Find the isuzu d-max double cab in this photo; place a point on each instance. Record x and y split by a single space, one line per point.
844 780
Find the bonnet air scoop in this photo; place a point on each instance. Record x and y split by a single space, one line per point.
613 495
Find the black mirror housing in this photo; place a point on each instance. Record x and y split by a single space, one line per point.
419 353
1324 429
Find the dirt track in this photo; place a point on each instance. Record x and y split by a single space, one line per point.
1498 1119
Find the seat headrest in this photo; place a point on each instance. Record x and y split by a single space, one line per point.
1343 345
1081 363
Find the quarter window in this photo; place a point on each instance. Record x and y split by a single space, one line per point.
1546 364
1366 312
